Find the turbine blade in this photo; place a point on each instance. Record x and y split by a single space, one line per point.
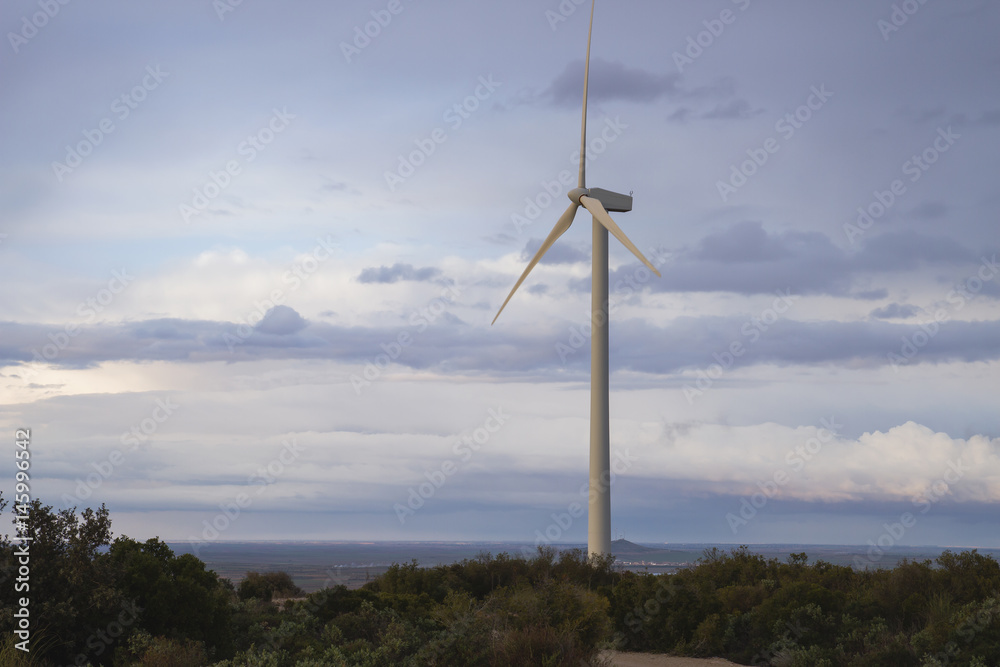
601 215
565 220
586 86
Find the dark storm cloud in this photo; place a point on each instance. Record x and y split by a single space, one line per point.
396 273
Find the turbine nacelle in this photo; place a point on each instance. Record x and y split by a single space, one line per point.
612 201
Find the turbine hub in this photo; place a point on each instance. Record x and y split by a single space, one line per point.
575 194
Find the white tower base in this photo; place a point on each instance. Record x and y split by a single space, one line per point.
599 499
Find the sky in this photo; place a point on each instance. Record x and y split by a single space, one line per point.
251 252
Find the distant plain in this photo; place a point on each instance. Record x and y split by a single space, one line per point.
316 565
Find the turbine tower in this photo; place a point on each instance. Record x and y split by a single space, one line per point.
598 202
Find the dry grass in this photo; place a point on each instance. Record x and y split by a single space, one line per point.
11 656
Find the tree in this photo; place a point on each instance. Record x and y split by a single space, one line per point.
179 598
88 599
268 585
71 592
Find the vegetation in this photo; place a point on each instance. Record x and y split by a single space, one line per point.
120 602
759 611
267 586
88 595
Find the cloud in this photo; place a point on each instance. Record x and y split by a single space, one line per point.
805 262
369 461
907 250
681 115
281 321
871 294
396 273
335 186
743 242
787 342
908 463
990 118
448 344
610 81
895 311
734 109
932 210
745 258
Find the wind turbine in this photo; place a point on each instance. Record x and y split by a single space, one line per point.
598 202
